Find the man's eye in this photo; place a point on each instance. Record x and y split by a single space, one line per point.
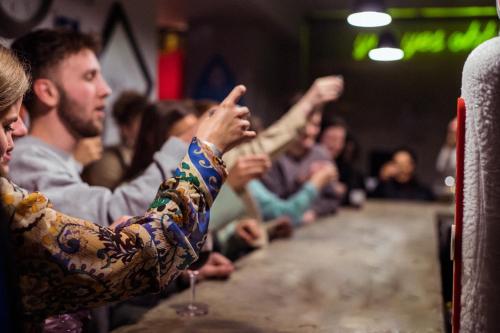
8 128
90 76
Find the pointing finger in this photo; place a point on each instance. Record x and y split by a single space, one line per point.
234 95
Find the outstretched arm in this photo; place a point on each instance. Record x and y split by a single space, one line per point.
276 138
66 264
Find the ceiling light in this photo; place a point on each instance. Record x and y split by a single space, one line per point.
387 49
369 14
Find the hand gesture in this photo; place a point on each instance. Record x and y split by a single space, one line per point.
324 89
226 125
323 173
388 171
281 227
88 150
247 168
249 231
217 267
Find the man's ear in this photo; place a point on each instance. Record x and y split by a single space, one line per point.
46 92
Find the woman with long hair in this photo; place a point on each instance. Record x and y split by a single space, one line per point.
160 121
65 264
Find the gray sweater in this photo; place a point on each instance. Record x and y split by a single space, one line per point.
37 166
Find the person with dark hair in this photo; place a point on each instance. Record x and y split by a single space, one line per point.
110 169
65 263
292 171
398 180
66 104
335 137
161 121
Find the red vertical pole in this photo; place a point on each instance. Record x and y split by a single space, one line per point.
459 210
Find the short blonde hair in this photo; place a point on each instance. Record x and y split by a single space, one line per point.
13 80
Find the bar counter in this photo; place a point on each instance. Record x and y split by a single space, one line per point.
370 270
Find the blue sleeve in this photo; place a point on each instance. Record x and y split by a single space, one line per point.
273 206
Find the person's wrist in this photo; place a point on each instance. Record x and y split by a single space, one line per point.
213 147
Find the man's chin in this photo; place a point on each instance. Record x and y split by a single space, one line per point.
93 132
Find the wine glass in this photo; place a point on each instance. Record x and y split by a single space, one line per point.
193 308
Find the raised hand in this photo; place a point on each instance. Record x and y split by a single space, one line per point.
247 168
226 125
324 89
88 150
323 174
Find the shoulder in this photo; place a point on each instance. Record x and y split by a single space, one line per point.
16 199
32 149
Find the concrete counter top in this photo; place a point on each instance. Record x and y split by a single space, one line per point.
369 270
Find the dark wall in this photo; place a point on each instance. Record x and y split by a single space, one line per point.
261 58
392 104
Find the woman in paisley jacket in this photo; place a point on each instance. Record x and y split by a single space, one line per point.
65 264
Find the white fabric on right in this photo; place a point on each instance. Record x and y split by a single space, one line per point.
480 299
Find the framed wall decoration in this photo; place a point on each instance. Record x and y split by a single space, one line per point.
122 64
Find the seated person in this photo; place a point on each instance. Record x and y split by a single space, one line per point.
291 171
295 206
336 139
397 179
65 264
446 162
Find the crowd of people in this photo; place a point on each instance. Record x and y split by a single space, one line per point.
90 226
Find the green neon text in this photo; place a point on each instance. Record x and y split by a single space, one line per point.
431 41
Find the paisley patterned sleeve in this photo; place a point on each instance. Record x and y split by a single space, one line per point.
66 264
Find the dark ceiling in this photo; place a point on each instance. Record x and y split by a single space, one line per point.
281 15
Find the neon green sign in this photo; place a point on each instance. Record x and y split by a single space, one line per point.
429 41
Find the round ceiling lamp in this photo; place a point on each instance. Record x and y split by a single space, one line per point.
369 14
387 49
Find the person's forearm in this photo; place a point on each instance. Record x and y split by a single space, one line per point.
66 263
275 139
273 206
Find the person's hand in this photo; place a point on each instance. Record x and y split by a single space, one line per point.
247 168
322 174
323 90
280 227
217 267
388 171
340 189
119 221
309 217
88 150
226 125
249 231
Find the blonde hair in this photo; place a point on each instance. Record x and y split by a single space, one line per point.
14 81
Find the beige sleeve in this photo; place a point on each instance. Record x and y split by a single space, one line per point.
275 138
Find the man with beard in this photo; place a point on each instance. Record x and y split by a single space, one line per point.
66 104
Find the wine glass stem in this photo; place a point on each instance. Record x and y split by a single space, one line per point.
192 283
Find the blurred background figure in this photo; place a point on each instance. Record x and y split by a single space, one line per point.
446 163
344 149
302 159
160 121
109 170
397 179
